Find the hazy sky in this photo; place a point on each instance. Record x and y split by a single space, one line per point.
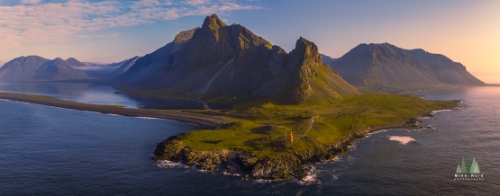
111 31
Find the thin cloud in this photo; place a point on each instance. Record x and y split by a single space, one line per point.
33 21
196 2
30 1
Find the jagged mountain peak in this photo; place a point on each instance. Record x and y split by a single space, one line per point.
304 43
308 48
211 25
220 60
213 21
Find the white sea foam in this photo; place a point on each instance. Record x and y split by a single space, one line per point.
438 111
231 174
380 131
263 181
402 139
170 164
150 118
310 178
330 161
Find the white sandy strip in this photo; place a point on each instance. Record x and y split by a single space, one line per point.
402 139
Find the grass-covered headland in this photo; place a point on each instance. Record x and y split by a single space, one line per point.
257 141
253 138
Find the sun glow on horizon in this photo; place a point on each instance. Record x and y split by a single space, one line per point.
105 31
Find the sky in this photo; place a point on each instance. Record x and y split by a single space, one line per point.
111 31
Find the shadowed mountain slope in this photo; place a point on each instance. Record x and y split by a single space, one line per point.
385 65
217 59
121 67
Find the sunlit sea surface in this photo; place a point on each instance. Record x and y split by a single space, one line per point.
53 151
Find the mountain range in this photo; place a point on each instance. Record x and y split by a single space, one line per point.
35 68
385 65
218 59
230 60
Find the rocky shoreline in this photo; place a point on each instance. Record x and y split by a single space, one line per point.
248 166
238 163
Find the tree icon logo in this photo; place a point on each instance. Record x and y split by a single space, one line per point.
469 170
468 166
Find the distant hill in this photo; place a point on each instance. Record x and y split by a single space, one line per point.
220 60
327 59
34 68
385 65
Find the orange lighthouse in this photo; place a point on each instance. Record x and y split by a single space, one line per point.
291 136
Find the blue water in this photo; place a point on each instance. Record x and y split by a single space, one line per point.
97 94
53 151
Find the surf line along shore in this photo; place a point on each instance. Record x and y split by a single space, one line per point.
197 119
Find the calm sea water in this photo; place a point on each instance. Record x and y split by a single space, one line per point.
97 94
53 151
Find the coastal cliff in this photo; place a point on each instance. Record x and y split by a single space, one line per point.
254 166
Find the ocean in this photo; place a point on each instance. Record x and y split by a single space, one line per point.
53 151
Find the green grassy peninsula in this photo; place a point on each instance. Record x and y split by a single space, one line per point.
257 142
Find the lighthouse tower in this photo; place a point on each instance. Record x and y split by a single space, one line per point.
291 136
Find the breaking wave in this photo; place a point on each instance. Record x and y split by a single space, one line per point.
402 139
